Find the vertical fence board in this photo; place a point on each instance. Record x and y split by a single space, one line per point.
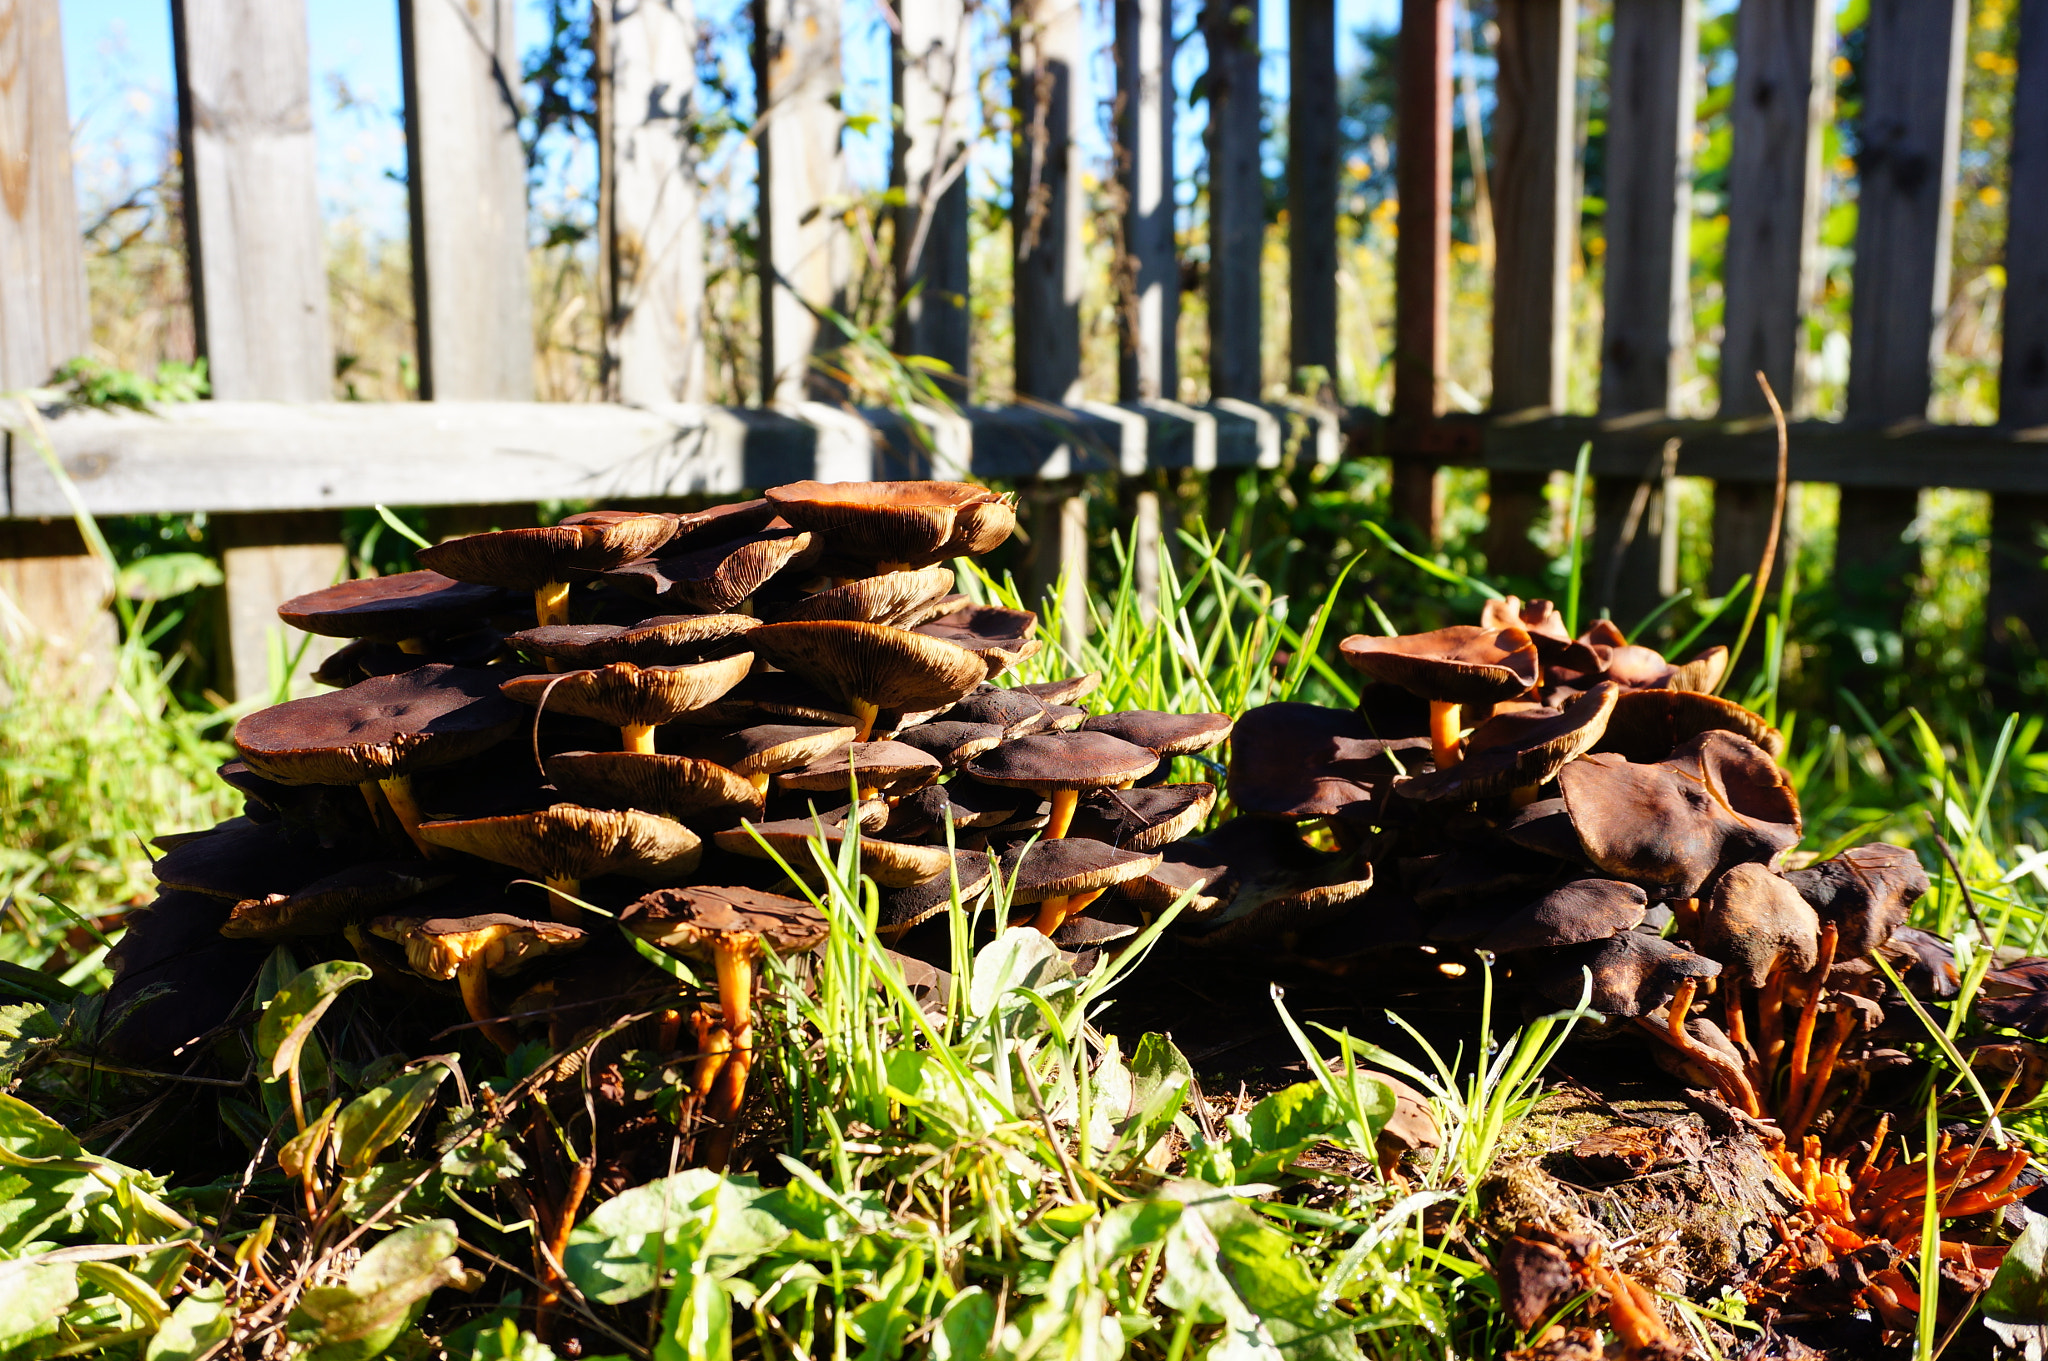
1778 115
1237 199
803 253
650 230
1422 257
466 176
259 283
59 591
1149 277
2016 613
932 68
1312 169
1912 119
1536 204
1652 79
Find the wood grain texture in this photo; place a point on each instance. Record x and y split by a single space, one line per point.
1237 200
1313 138
466 179
650 223
1045 218
43 317
268 559
1422 254
53 600
252 210
934 88
1149 360
803 250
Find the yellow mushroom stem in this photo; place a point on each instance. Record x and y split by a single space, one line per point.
551 605
475 980
398 792
671 1030
759 779
413 647
1054 913
864 715
1685 916
1064 802
562 894
1524 795
725 1103
732 957
637 737
380 811
1445 734
882 567
713 1045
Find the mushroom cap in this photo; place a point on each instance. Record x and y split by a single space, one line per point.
1519 749
1245 865
769 748
625 695
385 726
238 860
902 599
972 806
1675 825
527 559
1648 725
1864 892
1545 826
953 744
1294 760
715 576
1537 618
1163 733
891 767
1066 691
1016 711
389 608
907 907
1000 637
326 905
891 864
1057 869
721 524
1633 973
679 787
1755 923
1142 819
566 841
664 640
438 947
694 921
888 667
1573 913
1462 664
770 695
1063 760
913 522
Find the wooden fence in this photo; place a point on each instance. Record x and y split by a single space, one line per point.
273 459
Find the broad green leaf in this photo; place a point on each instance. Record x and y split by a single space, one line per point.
130 1289
304 1147
1161 1078
1280 1128
291 1015
163 575
201 1320
31 1140
1225 1265
358 1319
496 1338
24 1030
2016 1303
383 1183
697 1325
694 1220
966 1327
18 980
33 1297
1020 958
378 1119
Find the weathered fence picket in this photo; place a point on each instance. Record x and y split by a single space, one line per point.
1422 262
933 83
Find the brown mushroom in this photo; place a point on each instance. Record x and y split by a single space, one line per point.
1450 668
1067 691
898 524
953 744
1016 711
663 640
904 908
1648 725
1292 760
1755 924
1060 766
401 608
326 905
471 949
634 699
715 576
1632 972
1518 753
1865 892
541 560
873 666
1251 876
565 844
891 864
1063 877
679 787
1142 819
1000 637
900 599
873 769
1573 913
1165 735
767 749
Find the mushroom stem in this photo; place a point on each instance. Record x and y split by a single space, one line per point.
1524 794
1729 1078
1054 913
373 797
671 1030
1445 733
1802 1039
725 1103
412 647
1064 802
760 780
864 715
637 737
562 892
398 792
551 603
475 981
733 959
1804 1110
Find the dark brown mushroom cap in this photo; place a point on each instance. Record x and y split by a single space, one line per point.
1648 725
888 667
1245 857
664 640
1063 760
1519 749
402 605
1463 664
717 576
1864 892
387 726
1142 819
691 921
325 906
1016 711
527 559
1295 760
677 787
1095 928
900 599
890 767
953 744
913 522
721 524
238 860
891 864
1573 913
768 748
1756 923
904 908
768 696
1702 673
1000 637
1163 733
1068 691
972 806
565 841
1538 618
625 695
1633 973
438 947
1057 869
1675 825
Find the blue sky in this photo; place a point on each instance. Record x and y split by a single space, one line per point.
117 56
